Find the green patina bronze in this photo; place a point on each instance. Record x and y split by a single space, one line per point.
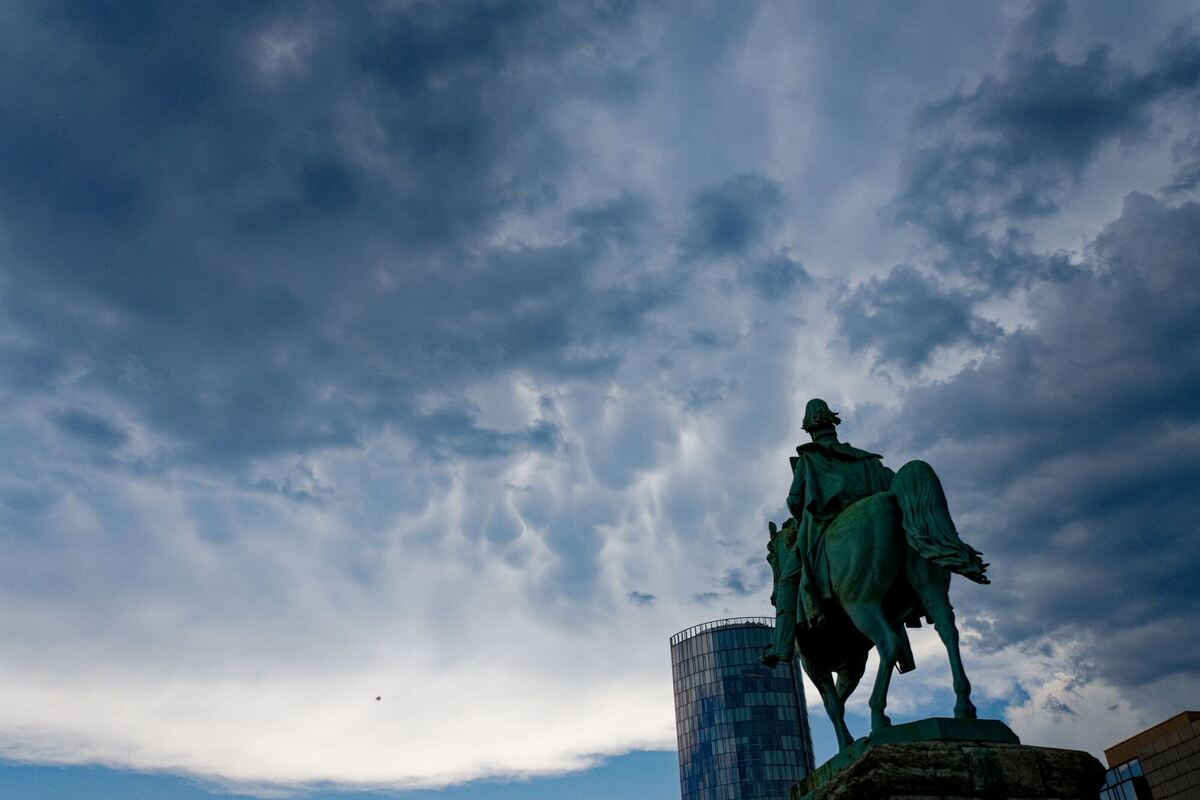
866 553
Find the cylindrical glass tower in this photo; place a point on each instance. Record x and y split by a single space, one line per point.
742 728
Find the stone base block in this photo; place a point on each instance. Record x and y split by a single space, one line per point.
961 770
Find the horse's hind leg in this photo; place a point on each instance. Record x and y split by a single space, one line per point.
932 584
835 702
848 678
869 618
847 681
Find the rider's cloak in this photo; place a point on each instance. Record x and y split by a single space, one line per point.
826 478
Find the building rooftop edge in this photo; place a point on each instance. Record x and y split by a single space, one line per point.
1126 749
729 622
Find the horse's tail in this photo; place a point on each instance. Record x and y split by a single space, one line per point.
927 522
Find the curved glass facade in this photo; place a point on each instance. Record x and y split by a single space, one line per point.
742 728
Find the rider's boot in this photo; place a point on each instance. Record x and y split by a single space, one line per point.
904 661
785 623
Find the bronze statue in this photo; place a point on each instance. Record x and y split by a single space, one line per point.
867 552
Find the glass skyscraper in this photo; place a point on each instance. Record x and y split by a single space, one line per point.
742 728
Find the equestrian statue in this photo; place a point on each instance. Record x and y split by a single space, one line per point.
866 553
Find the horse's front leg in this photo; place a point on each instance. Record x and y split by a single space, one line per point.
869 618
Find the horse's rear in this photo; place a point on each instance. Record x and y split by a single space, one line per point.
880 572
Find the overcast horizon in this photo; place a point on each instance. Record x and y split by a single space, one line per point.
384 383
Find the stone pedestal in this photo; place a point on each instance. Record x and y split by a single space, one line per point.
953 768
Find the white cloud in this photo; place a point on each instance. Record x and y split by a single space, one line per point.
190 621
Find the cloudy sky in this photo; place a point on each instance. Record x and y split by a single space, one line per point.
451 354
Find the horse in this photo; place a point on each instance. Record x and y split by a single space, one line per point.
890 558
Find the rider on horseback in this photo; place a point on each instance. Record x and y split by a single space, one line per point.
867 552
828 476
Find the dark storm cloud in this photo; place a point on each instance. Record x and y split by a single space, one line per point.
264 230
734 220
1056 707
302 487
641 598
730 218
1002 150
906 316
451 432
747 580
1186 152
987 160
90 427
775 276
1076 448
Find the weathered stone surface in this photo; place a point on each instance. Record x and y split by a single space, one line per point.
964 771
934 729
1014 772
1062 770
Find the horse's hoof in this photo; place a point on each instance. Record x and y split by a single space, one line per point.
967 712
880 722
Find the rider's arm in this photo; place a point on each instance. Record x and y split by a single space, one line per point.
795 499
